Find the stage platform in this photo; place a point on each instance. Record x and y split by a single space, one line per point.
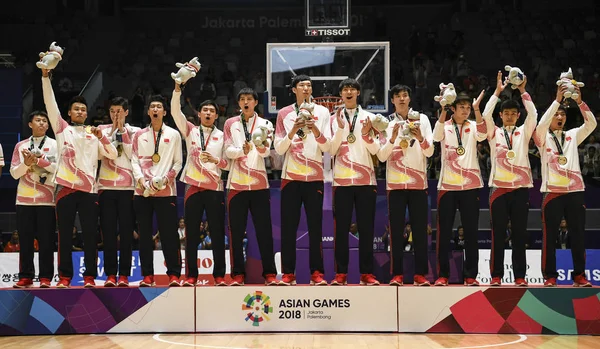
257 308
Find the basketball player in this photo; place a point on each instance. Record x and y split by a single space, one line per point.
354 185
33 164
303 143
248 188
562 185
156 160
116 184
204 187
79 148
510 180
406 177
459 183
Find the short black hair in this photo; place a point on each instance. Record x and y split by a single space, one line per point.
400 88
509 104
462 97
562 107
247 91
77 99
208 102
120 101
352 83
35 113
298 78
157 98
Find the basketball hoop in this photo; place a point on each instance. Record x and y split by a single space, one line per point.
329 102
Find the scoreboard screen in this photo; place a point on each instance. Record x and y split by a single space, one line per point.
323 14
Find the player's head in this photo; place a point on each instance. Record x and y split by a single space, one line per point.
208 111
559 119
38 123
509 112
247 100
349 90
461 108
302 87
78 109
157 108
119 109
400 97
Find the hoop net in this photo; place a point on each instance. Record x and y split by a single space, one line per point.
329 102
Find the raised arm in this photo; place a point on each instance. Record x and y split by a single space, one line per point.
531 119
543 125
482 129
56 121
438 129
181 122
589 121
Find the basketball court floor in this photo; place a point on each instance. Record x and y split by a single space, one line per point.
302 341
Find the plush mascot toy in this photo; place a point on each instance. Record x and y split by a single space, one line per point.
566 78
186 71
49 60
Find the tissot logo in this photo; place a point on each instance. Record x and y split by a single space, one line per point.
327 32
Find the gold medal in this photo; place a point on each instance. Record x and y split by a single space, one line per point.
120 150
88 129
404 144
303 135
155 158
351 138
562 160
460 150
510 154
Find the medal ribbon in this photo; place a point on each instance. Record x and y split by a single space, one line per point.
157 139
31 145
202 144
300 133
458 134
353 123
246 127
558 145
509 140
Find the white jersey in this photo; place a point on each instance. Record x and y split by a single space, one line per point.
459 172
512 171
303 157
117 174
1 156
248 171
78 150
353 161
30 190
205 175
557 177
169 165
406 168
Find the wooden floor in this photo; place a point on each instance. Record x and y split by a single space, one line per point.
301 341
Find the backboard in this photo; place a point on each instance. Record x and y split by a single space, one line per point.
328 64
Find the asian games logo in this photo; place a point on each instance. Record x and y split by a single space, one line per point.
257 307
